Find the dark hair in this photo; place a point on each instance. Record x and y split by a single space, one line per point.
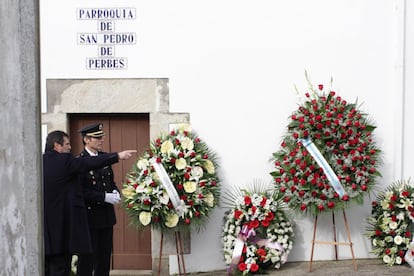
55 137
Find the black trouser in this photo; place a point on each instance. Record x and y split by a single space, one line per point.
58 265
100 262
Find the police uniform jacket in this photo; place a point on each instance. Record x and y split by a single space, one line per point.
65 222
95 184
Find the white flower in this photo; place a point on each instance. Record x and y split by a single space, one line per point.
209 166
401 216
167 147
171 220
183 127
180 163
196 173
142 164
164 198
386 259
393 225
190 186
385 204
398 260
128 192
209 199
145 218
405 203
187 143
388 194
398 239
141 188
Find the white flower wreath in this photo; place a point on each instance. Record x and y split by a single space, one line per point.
390 226
174 185
257 234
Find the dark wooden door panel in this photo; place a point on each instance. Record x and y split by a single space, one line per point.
132 249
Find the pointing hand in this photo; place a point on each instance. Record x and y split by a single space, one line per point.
126 154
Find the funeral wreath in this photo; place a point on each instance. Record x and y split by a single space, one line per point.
257 233
328 156
174 185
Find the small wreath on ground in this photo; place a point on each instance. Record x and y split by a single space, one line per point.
391 223
257 233
174 185
343 135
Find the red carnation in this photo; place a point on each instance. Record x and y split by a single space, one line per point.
254 267
247 200
254 224
242 266
270 216
265 223
303 207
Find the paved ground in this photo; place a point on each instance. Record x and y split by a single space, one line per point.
325 268
334 268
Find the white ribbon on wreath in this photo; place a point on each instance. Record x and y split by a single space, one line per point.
318 157
178 204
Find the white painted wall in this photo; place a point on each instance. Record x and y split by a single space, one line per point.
233 65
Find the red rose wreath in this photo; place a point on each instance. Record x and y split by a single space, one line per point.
328 156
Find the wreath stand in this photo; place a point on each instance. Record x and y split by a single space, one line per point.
180 253
335 243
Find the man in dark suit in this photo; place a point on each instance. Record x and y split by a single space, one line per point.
97 185
65 221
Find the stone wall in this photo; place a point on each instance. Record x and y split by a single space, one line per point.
20 165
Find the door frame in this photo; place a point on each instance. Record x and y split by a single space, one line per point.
134 95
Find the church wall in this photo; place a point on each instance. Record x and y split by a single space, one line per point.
233 66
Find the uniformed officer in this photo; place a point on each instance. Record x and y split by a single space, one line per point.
100 194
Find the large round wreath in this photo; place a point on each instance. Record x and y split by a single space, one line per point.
257 234
191 167
343 135
390 225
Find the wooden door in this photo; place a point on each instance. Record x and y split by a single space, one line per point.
132 249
